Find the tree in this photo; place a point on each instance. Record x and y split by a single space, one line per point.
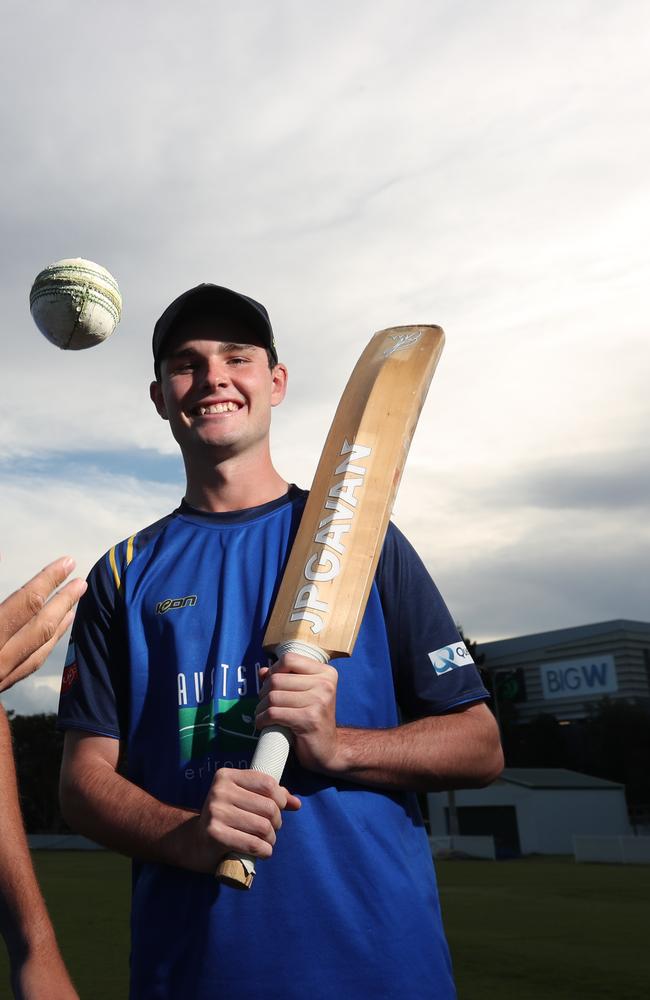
38 747
617 746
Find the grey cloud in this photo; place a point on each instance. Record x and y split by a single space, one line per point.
544 582
29 697
607 481
605 488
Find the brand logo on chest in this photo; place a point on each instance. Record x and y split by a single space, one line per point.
174 603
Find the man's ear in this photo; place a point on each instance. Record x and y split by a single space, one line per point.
280 377
155 392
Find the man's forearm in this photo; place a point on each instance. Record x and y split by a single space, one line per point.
241 811
112 811
460 749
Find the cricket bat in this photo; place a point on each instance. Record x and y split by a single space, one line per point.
327 580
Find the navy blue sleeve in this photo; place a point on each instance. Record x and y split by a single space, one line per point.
433 670
95 666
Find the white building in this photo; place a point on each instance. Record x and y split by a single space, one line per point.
535 811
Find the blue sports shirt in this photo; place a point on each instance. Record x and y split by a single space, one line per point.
165 656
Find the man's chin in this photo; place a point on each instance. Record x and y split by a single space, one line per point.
219 445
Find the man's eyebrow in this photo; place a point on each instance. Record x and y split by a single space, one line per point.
229 348
181 352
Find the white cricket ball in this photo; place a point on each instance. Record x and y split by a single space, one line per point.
75 303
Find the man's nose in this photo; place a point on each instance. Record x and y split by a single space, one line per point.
216 373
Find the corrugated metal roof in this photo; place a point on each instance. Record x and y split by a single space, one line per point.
558 637
553 777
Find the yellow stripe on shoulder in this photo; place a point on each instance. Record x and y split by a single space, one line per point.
113 562
119 558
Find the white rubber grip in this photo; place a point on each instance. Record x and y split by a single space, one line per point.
272 751
274 744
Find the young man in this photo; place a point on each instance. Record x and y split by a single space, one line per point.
166 663
30 627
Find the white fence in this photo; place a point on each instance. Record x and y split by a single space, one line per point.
612 850
61 842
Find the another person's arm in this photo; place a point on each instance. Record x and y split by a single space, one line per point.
37 969
31 623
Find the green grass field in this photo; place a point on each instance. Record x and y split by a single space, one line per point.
547 929
519 930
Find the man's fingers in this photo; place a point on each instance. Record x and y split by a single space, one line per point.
293 663
33 661
28 649
26 602
63 601
297 673
252 791
27 666
243 810
290 699
41 628
244 786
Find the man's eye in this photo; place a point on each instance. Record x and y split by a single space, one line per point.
237 361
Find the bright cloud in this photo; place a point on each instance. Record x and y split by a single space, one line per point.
353 166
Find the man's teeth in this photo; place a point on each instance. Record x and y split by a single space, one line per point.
217 408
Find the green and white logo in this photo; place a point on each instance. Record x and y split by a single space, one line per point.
230 729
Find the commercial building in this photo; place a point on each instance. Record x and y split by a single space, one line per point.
561 676
567 671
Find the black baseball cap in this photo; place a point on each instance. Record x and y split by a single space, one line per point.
208 298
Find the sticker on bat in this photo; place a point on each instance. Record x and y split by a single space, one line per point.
402 340
324 565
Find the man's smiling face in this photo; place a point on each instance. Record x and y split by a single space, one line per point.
216 387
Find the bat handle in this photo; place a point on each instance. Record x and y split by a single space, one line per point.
270 757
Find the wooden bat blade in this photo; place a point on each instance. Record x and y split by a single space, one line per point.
332 564
327 580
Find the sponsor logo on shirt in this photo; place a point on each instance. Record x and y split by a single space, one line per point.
450 658
172 603
217 709
71 670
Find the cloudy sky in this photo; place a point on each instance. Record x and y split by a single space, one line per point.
481 165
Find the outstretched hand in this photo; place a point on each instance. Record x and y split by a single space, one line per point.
31 625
